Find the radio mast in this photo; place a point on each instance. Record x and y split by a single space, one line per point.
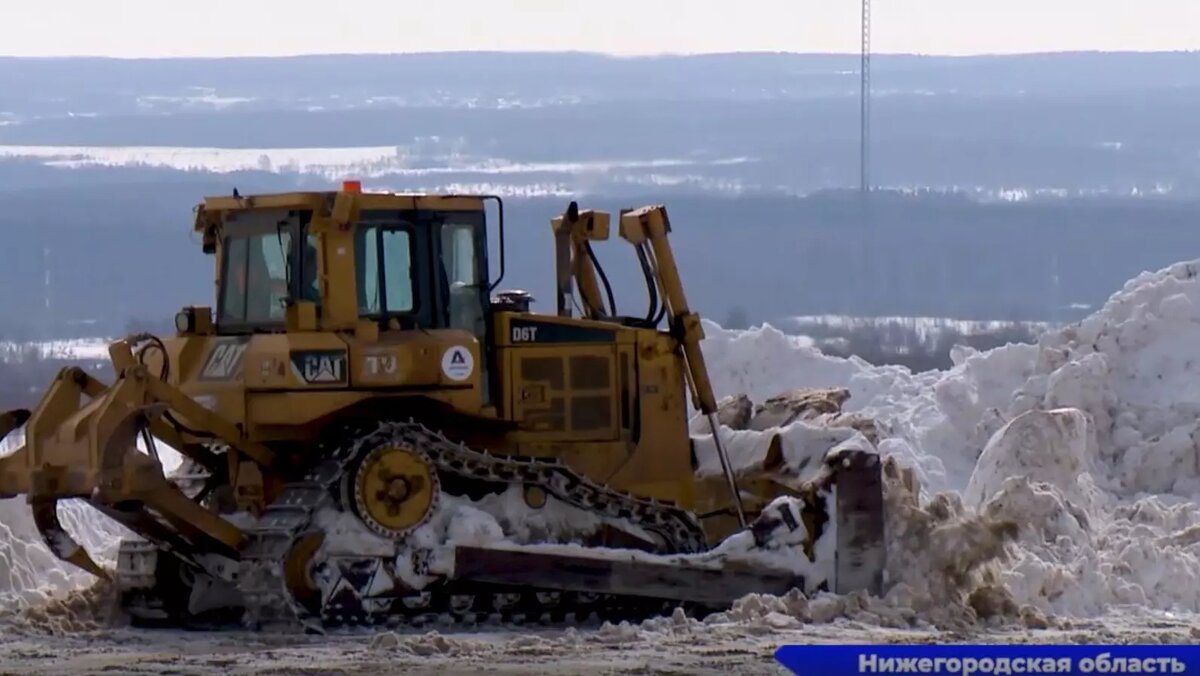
865 101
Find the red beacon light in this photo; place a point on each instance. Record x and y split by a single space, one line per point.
352 186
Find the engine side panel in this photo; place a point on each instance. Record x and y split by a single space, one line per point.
606 399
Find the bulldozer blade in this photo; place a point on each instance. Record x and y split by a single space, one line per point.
591 572
61 544
861 550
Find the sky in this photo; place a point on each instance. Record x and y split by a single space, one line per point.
157 28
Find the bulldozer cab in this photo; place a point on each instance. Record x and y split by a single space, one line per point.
350 262
411 268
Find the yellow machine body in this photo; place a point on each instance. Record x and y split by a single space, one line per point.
340 307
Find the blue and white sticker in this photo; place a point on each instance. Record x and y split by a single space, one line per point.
457 363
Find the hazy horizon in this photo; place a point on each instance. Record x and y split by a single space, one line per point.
613 55
215 28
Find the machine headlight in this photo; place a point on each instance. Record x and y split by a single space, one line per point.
183 321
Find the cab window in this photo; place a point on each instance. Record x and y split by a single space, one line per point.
458 254
256 279
310 289
460 267
384 262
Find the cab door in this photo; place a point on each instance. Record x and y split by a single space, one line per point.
462 281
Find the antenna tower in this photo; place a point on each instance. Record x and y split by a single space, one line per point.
865 100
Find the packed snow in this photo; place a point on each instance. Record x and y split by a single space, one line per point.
1037 486
1088 443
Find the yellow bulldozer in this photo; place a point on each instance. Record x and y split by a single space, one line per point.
366 435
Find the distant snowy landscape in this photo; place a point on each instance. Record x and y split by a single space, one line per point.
418 167
993 198
434 164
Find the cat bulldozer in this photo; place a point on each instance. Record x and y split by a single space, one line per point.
362 430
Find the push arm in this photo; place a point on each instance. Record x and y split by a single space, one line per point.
573 233
647 229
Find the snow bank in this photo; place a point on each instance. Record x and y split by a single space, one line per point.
30 575
1068 472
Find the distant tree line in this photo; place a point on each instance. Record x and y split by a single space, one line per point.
106 253
894 343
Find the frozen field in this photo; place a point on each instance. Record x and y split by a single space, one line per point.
425 164
1058 503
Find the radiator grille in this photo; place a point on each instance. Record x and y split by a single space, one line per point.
568 393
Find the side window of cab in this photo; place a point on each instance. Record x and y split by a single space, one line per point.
383 257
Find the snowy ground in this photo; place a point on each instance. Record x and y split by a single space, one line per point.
747 648
1058 502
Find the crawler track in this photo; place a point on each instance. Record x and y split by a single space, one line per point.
361 586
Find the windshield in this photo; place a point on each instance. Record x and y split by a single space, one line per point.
422 267
260 265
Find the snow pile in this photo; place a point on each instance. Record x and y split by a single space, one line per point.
427 644
796 430
934 421
801 445
1061 478
29 574
80 610
36 588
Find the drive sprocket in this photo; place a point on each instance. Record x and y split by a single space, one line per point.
394 490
